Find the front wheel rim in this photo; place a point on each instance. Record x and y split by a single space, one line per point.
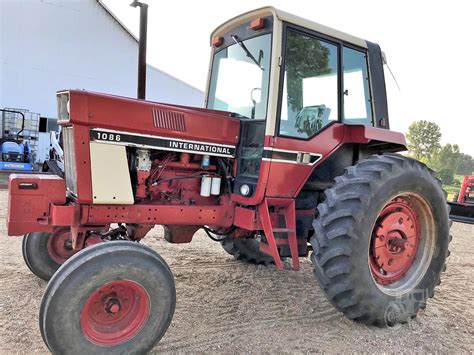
115 312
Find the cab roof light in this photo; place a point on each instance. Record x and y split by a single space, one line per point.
257 24
217 41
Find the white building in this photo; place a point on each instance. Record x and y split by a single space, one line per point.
50 45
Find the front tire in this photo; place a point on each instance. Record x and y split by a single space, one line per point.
381 239
45 252
114 297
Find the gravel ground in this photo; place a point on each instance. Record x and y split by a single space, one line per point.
228 306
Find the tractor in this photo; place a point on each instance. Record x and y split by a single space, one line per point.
15 152
462 207
292 157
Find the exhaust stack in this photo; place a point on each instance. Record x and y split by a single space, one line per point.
141 89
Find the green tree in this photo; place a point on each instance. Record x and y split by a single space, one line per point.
447 157
466 165
446 176
423 139
305 57
446 161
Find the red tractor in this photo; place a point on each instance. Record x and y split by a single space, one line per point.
291 157
462 208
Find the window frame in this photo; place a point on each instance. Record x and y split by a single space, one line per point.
214 51
369 79
340 44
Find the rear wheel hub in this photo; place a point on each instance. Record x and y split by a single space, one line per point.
394 241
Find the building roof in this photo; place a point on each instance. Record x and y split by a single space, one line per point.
120 23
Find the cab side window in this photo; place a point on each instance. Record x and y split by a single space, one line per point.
310 85
357 98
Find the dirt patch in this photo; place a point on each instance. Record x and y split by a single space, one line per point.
228 306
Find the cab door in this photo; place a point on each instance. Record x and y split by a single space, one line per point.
315 81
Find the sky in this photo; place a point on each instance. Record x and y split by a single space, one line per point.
426 44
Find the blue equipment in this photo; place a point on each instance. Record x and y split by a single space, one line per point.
15 154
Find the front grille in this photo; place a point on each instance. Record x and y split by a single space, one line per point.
11 156
69 160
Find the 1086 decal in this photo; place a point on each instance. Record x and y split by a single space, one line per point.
155 142
107 136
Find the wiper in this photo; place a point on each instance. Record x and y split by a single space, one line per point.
247 52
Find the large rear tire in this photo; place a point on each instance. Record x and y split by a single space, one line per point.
114 297
381 239
45 252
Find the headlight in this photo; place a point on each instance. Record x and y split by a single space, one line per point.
245 190
63 106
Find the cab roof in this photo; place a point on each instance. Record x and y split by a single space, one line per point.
283 16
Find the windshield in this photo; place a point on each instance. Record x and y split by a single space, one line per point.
240 77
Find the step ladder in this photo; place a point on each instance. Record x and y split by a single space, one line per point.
270 221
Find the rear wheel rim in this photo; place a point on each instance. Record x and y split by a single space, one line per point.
60 246
394 242
412 247
115 312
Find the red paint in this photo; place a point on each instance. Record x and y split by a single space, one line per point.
28 210
246 218
115 312
83 163
285 207
367 134
394 242
136 116
326 142
466 191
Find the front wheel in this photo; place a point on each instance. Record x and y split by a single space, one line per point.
116 297
381 239
45 252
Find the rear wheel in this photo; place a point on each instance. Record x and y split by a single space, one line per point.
114 297
381 239
45 252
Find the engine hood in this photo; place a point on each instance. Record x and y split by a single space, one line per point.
126 116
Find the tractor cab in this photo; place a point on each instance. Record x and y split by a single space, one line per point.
296 86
